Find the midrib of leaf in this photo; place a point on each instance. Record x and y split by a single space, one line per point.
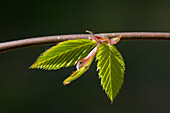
110 76
108 82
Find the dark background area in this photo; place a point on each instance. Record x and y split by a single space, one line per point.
146 87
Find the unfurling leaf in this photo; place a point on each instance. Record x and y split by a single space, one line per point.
111 69
81 68
75 75
64 54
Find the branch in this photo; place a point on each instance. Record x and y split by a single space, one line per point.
6 46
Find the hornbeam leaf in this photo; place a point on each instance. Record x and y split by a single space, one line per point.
64 54
111 69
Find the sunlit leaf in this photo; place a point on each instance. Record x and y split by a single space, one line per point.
111 69
64 54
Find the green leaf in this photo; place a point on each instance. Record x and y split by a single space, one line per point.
75 75
111 69
64 54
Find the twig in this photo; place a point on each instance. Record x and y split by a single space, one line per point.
6 46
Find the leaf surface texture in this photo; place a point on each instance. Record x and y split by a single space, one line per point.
64 54
111 69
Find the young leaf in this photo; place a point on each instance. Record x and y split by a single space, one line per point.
111 69
81 68
64 54
75 75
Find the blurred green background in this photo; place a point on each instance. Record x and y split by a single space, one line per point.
146 87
